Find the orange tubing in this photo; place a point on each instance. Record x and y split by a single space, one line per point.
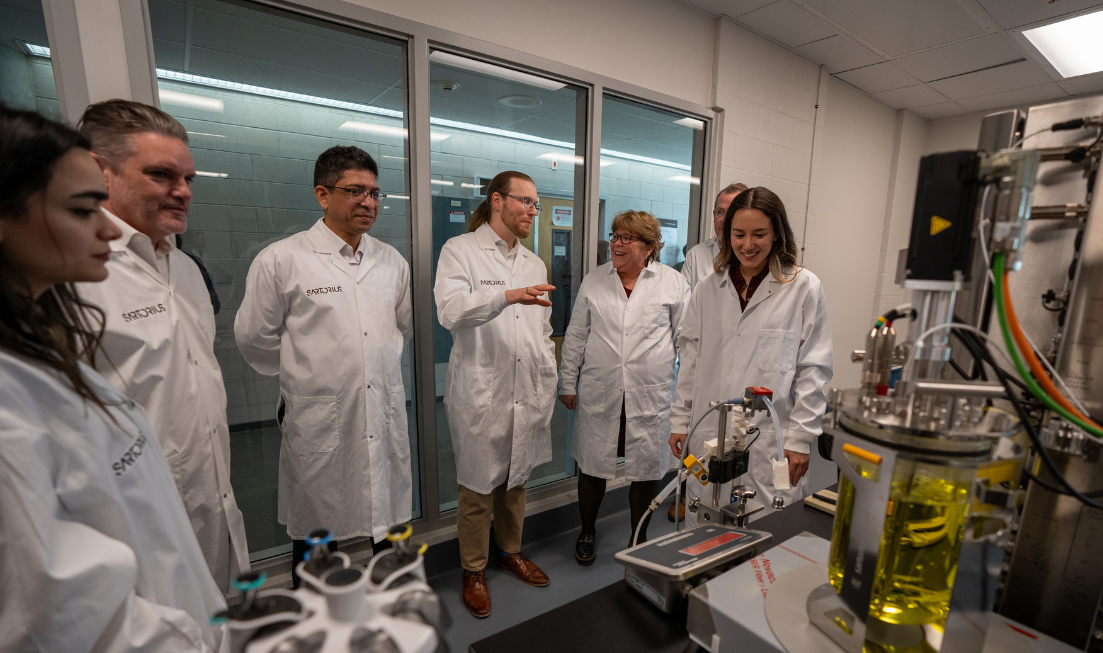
1040 374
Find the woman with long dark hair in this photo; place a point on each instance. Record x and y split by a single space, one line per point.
758 320
96 551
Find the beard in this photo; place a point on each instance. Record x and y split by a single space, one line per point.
515 226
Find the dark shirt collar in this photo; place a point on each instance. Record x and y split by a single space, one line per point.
738 282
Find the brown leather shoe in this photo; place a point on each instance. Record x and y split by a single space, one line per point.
681 510
476 595
523 568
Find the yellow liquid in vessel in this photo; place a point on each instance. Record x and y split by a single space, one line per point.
840 534
919 550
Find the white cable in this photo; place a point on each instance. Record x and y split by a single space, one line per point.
949 325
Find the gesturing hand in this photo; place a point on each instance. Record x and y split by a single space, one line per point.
530 295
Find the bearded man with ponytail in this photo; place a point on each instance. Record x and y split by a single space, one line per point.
491 294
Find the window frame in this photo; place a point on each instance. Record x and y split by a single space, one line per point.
434 525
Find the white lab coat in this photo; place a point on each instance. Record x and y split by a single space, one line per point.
335 342
782 342
158 348
699 261
500 389
96 552
621 350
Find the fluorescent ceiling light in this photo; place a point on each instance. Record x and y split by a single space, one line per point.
692 123
217 175
397 197
456 61
1073 46
385 130
607 162
193 101
379 111
441 182
696 181
37 50
552 156
472 185
205 134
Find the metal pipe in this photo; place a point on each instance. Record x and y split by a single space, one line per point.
987 390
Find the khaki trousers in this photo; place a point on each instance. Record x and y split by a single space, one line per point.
473 523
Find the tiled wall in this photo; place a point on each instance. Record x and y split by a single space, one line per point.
27 82
266 147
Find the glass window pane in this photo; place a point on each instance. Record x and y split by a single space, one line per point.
488 120
26 76
262 93
651 161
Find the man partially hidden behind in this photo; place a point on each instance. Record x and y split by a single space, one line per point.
501 385
159 335
328 311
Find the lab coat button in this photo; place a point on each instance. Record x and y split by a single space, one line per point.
365 333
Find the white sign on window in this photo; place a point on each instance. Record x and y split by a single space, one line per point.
563 216
457 216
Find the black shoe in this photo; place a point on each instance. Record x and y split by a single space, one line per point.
584 550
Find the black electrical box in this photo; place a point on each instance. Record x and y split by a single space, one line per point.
944 223
722 472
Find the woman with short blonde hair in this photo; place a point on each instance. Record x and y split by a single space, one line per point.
618 371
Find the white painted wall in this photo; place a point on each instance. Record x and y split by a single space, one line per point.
909 142
657 44
958 133
847 215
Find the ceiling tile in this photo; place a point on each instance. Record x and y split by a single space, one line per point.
730 8
992 80
878 77
839 53
899 27
1017 14
910 96
941 110
960 58
787 23
1017 97
1083 84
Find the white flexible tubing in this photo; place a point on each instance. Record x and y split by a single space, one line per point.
675 484
950 325
777 431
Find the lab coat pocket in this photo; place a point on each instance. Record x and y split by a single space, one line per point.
656 321
473 387
591 397
388 297
548 384
396 413
310 424
775 350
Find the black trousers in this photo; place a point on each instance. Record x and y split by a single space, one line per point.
591 491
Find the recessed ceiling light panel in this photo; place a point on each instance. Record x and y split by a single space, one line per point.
1073 46
521 101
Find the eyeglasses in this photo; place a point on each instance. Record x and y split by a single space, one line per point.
358 194
627 239
526 202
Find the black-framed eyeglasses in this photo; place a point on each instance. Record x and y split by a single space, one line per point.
627 239
358 194
526 202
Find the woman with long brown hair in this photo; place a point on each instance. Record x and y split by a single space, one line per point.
96 551
758 320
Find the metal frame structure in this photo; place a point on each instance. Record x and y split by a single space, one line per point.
420 39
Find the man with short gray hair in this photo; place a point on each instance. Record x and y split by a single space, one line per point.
698 263
159 329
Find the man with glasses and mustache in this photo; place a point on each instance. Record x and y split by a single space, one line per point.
158 340
328 312
491 294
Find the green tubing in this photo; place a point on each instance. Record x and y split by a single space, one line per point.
998 268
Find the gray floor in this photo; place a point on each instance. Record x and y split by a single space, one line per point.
514 602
